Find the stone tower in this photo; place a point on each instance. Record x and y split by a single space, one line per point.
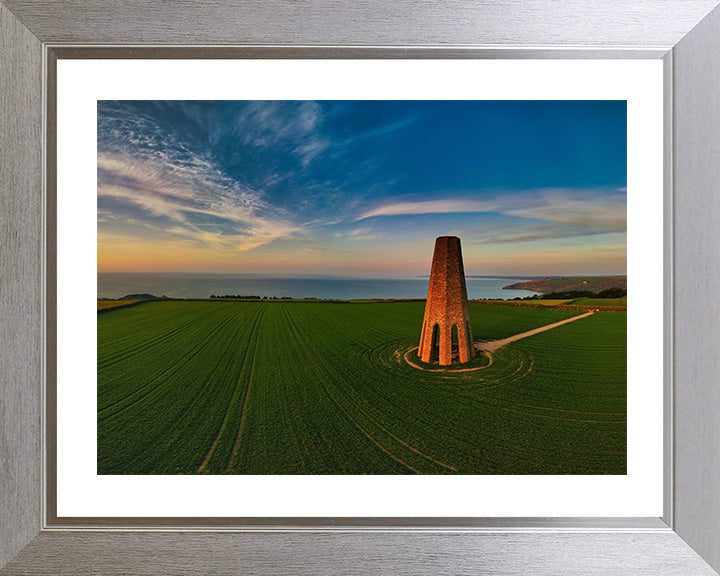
447 306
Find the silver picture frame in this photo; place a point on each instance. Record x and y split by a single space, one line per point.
685 34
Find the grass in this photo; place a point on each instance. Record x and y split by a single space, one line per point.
310 388
528 303
600 302
105 304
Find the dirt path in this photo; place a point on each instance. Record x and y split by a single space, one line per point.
495 344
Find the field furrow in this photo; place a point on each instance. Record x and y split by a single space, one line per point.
239 388
136 396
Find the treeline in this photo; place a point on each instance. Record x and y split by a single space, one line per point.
572 294
249 297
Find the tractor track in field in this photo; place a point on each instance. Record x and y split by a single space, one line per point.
536 415
357 424
236 445
508 382
570 411
253 332
189 355
152 342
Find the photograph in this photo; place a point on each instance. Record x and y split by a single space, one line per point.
362 287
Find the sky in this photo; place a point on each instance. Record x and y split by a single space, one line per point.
362 188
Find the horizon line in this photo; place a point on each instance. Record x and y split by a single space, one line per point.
323 274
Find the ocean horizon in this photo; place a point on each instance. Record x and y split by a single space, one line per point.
115 285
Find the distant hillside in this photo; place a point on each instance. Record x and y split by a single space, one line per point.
568 283
140 297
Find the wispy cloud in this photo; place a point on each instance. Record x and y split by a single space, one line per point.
544 232
430 207
310 251
575 208
294 126
363 234
178 192
204 205
580 208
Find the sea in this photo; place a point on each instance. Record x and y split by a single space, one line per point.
116 285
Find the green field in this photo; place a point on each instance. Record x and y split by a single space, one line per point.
529 303
104 304
549 302
323 388
600 301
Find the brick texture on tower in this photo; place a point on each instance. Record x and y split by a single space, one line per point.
446 307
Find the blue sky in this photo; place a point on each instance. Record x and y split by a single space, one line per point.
362 187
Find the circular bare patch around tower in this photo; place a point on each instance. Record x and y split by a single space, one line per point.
488 369
450 368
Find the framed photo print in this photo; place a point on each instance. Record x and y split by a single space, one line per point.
351 290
